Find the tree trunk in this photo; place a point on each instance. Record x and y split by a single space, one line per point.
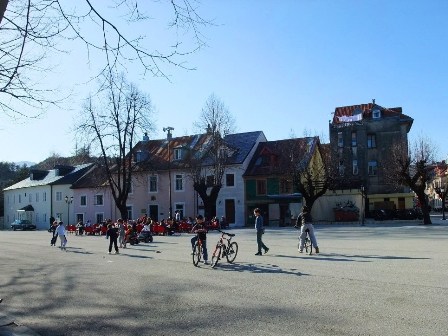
3 5
208 200
425 208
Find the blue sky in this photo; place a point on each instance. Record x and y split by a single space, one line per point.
279 66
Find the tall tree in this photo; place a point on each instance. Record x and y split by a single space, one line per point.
32 30
207 169
114 118
307 167
412 167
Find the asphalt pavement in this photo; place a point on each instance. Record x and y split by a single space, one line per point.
378 279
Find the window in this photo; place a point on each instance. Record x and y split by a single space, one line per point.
376 114
340 139
37 197
230 180
341 168
222 153
373 168
83 200
30 197
153 183
20 198
179 182
129 210
355 167
177 153
371 141
44 196
285 186
59 196
99 217
210 180
261 187
181 208
131 187
98 199
354 139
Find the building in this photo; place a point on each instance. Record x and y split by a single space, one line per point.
269 181
162 182
44 195
361 140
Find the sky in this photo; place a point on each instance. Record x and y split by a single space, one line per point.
281 67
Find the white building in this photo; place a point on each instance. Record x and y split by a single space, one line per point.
44 195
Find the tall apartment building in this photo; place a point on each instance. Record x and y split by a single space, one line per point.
361 140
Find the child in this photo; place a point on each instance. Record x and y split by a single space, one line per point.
201 233
112 234
60 231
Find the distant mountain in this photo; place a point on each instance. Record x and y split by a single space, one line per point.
26 163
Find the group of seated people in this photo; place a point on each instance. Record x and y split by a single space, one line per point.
166 226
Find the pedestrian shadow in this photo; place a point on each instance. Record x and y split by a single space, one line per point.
135 256
385 257
320 256
152 248
348 257
258 269
77 250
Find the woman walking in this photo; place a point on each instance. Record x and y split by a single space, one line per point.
259 226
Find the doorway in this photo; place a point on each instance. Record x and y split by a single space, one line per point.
230 210
154 212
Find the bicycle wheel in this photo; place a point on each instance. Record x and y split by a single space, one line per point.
232 251
197 254
216 255
308 246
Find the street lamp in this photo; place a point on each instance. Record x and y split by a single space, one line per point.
68 201
169 136
363 190
443 195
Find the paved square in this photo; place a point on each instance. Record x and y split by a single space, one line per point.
371 280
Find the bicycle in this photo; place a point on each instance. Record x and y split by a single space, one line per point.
308 245
197 252
225 247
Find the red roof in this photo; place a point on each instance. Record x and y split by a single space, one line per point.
366 110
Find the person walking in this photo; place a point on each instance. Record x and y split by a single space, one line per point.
60 231
112 234
259 227
305 222
121 233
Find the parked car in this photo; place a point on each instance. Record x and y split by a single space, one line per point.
22 224
382 214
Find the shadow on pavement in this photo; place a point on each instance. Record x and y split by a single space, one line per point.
258 268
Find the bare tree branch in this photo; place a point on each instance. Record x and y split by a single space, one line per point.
113 119
30 30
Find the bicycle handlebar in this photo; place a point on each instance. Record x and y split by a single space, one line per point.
226 233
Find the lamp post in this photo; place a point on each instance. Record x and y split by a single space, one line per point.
68 201
363 190
443 195
169 136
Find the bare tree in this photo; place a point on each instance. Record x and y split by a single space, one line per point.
31 30
114 118
207 169
412 167
303 160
